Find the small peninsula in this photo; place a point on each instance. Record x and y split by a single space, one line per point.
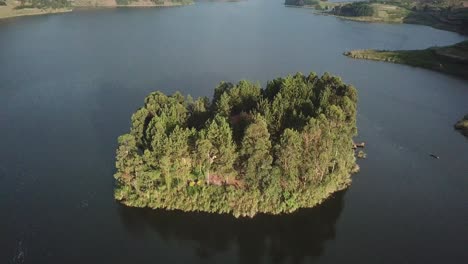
449 59
450 15
462 126
248 150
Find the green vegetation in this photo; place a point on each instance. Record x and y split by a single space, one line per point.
371 12
450 18
301 2
155 2
123 2
354 9
13 8
451 15
462 126
316 4
450 59
43 4
250 150
142 3
361 154
181 2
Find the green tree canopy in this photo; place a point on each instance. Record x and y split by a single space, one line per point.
248 150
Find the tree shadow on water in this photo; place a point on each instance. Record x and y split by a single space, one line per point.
290 238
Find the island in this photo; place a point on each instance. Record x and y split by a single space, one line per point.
462 126
450 15
451 59
15 8
249 150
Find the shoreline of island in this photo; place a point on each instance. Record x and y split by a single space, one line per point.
248 150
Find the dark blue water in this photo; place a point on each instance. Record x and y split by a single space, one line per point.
69 84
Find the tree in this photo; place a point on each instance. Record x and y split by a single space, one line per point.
126 155
289 156
177 151
156 136
139 122
198 112
129 163
223 151
223 87
244 96
256 153
203 155
223 105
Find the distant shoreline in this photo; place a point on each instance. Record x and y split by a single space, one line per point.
11 10
451 60
436 16
33 12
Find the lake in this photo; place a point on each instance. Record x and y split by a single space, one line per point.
70 82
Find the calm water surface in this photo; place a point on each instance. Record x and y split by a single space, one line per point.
69 84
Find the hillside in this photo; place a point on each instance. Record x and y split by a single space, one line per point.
130 3
13 8
451 15
449 59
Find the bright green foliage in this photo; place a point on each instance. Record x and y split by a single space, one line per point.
250 150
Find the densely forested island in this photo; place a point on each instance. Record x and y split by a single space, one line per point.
249 150
451 15
462 126
449 59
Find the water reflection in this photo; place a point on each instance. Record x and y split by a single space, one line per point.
279 239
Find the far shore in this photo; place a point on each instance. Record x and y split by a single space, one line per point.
449 59
435 16
11 13
11 10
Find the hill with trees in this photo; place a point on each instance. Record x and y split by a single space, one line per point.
451 15
248 150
